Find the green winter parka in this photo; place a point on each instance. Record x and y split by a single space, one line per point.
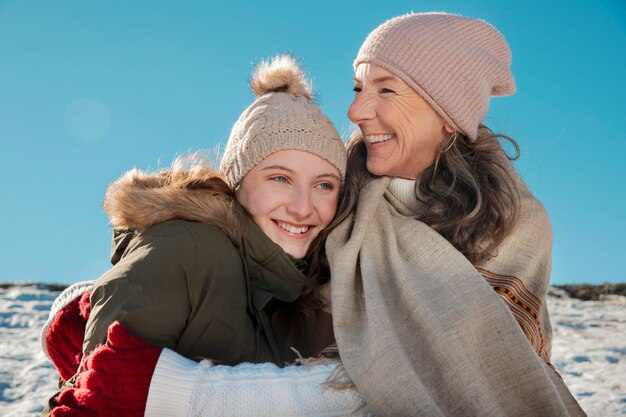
192 272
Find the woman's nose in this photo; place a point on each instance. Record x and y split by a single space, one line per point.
362 108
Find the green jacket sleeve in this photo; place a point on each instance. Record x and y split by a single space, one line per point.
147 290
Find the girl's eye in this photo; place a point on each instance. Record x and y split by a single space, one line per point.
280 178
327 186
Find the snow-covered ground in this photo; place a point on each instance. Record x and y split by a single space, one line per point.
589 350
27 378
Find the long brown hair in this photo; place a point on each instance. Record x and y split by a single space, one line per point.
468 194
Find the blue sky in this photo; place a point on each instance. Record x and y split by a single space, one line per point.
90 89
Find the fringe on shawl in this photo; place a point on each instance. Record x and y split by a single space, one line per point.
338 379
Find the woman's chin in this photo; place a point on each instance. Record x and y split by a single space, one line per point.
377 169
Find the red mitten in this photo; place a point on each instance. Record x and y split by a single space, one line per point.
84 305
115 378
64 339
74 402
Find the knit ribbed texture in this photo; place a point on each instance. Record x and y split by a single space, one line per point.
184 388
404 191
455 63
280 121
173 396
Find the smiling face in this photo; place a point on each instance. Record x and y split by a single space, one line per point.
400 129
292 195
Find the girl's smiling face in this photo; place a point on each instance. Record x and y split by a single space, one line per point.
292 195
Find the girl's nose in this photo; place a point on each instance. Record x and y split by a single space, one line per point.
300 206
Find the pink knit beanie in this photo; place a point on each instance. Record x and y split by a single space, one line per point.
283 117
455 63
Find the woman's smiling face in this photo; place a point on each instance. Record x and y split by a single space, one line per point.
292 195
400 129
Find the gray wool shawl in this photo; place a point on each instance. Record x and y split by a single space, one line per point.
422 333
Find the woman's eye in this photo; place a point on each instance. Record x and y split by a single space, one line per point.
357 89
387 91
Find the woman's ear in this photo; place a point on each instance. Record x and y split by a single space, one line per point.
448 128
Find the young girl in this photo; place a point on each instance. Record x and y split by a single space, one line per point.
211 265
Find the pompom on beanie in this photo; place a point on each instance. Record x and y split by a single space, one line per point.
283 117
455 63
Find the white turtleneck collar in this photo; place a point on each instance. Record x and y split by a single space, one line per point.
404 191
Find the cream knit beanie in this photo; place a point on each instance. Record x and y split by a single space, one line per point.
283 117
455 63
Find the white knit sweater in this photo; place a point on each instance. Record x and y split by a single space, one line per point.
182 387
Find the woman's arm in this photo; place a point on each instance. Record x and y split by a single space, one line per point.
182 387
128 376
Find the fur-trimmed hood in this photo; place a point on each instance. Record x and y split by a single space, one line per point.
138 199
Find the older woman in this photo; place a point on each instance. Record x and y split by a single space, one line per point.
439 278
442 221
